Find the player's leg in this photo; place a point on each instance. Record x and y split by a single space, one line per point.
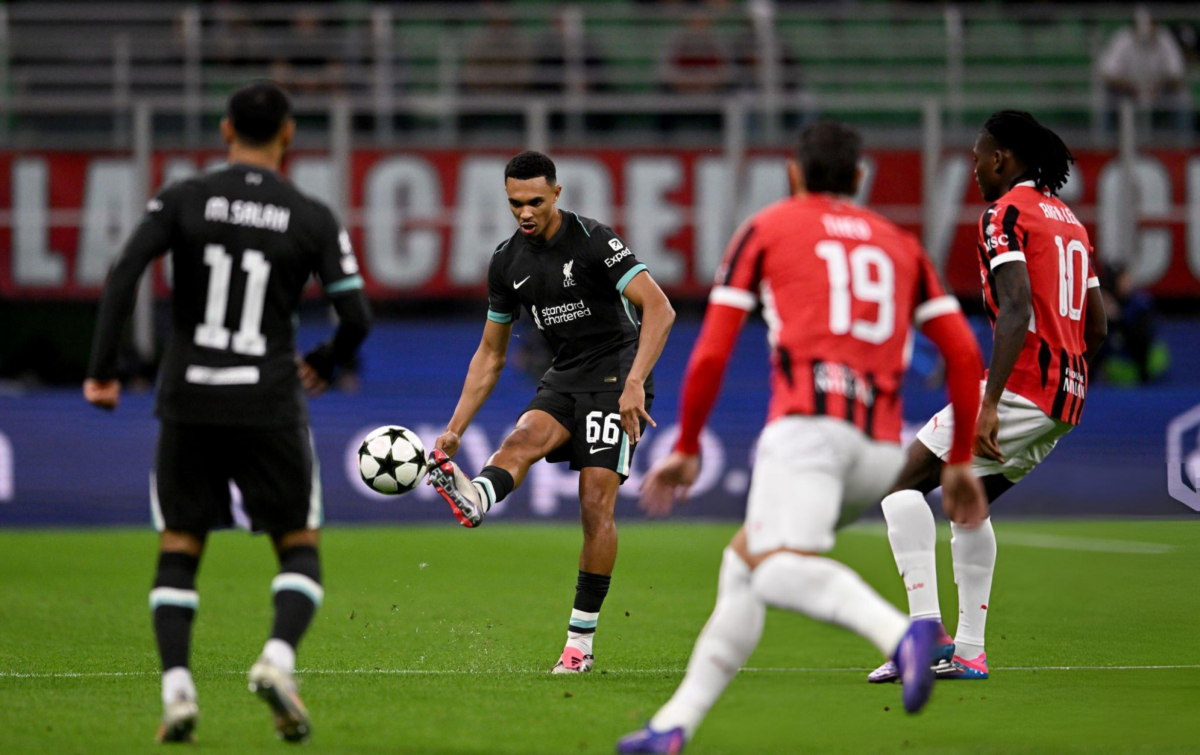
794 507
297 594
189 495
597 501
799 578
603 454
544 426
912 534
723 647
173 604
279 476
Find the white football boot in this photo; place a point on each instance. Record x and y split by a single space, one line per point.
179 720
456 488
277 688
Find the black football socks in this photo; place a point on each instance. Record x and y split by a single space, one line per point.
494 484
297 594
590 591
173 604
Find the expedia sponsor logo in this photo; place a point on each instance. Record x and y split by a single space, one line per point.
610 261
615 244
561 313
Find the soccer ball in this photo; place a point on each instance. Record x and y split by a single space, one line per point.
392 460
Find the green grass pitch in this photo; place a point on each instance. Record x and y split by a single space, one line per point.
436 640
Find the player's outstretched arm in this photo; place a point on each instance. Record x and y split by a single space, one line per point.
1015 303
657 318
150 240
1095 329
482 375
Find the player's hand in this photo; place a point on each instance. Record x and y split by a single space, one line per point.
314 385
963 498
668 482
987 429
448 442
105 394
633 410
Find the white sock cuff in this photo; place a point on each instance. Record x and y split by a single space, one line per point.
300 583
487 493
280 654
177 681
173 596
583 620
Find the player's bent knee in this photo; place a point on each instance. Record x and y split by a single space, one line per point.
294 538
177 541
526 444
922 470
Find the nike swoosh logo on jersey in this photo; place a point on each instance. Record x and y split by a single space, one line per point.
602 448
522 283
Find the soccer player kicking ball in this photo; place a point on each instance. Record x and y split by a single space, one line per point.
243 245
583 288
1042 297
839 286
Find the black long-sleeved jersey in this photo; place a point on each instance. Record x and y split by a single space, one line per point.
243 244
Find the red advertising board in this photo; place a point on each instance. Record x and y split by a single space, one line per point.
424 223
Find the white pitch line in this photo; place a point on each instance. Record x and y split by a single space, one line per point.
498 672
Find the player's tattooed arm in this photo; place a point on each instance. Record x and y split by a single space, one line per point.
1015 302
1095 329
482 375
657 318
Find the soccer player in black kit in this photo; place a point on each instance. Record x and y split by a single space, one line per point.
244 243
583 288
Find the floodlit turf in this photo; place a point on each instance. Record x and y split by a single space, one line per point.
436 639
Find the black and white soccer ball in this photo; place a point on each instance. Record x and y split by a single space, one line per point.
392 460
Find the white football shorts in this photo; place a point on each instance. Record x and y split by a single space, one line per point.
811 476
1026 437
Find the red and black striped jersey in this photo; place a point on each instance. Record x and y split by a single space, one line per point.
1030 226
839 286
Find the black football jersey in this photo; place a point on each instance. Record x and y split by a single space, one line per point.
243 245
573 287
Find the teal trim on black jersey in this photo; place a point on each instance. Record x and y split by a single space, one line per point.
345 284
500 317
633 271
581 225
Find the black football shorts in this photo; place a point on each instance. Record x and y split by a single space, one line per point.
274 468
594 419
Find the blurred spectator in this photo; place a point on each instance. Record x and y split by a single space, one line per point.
1133 353
555 54
696 60
306 66
1145 64
497 57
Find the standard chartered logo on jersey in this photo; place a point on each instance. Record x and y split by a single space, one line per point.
560 313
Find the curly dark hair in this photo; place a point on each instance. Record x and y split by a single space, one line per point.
1042 151
530 164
